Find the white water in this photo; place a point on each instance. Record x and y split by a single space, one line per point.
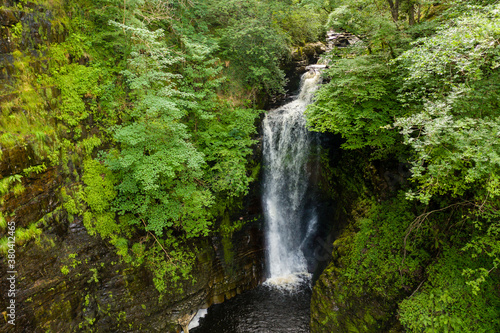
287 159
195 322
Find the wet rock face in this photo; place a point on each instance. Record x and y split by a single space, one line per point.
309 53
38 30
39 195
7 19
339 39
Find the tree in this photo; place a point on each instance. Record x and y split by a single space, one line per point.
157 164
360 112
454 134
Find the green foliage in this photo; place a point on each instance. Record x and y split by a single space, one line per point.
18 189
3 222
440 92
256 48
484 245
23 235
65 270
453 133
447 305
157 85
303 23
6 183
89 144
179 149
4 245
121 245
94 277
36 91
98 195
170 275
139 250
35 168
360 112
255 37
72 206
157 165
227 228
371 22
78 88
226 142
376 258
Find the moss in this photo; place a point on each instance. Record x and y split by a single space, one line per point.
4 242
65 270
18 189
227 245
46 242
342 299
227 229
23 235
50 312
7 183
353 327
255 171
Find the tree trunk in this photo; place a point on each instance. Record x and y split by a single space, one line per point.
411 15
394 6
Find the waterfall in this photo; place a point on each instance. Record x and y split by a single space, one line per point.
287 148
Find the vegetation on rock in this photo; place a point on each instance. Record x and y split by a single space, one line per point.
141 116
419 90
147 110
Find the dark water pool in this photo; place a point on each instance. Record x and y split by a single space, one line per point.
261 310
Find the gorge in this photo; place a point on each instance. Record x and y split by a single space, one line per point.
291 160
154 167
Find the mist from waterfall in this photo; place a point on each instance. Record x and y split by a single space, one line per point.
288 161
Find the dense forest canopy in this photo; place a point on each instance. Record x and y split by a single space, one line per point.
159 102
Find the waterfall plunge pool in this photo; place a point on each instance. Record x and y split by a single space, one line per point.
261 310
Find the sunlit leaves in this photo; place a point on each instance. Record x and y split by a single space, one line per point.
156 163
455 135
443 96
453 127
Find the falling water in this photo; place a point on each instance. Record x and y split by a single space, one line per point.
287 160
